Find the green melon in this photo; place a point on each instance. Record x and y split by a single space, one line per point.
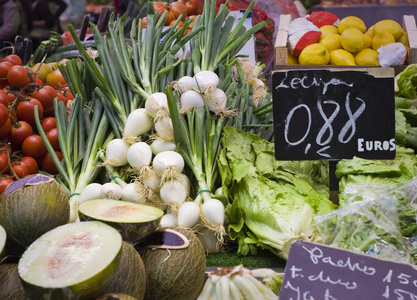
3 237
116 297
130 277
11 287
174 274
30 207
72 261
134 221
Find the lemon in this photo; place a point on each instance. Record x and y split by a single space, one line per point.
389 26
291 59
331 41
351 22
381 38
341 57
370 31
367 57
328 29
314 54
352 39
368 41
403 39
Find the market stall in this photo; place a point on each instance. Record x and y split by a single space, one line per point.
159 157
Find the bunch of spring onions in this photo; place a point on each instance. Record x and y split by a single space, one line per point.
81 134
241 283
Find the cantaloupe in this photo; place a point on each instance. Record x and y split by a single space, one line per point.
174 274
11 287
130 278
134 221
72 261
30 207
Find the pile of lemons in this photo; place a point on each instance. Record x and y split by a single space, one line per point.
351 43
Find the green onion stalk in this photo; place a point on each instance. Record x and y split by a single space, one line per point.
82 133
220 39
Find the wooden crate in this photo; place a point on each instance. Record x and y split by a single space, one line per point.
281 57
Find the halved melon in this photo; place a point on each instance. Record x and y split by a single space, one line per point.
3 237
134 221
72 261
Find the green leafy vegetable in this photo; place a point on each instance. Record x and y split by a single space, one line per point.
270 203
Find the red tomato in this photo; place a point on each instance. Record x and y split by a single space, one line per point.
4 163
3 150
18 170
159 7
4 68
52 136
19 132
47 164
3 98
55 79
48 124
46 96
26 110
5 129
194 7
4 183
14 59
67 93
31 164
4 114
176 9
34 146
144 22
13 96
17 76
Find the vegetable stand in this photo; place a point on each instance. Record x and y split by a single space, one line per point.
172 152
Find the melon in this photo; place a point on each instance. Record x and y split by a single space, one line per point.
72 261
116 297
130 277
3 237
30 207
134 221
174 274
11 287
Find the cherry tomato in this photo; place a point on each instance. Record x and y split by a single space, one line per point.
46 96
52 137
31 164
18 169
34 146
4 183
18 76
47 164
19 132
5 129
4 114
55 79
48 123
4 68
14 59
26 110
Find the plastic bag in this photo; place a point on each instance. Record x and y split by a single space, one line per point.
394 54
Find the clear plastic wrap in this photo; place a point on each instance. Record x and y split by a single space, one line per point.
385 227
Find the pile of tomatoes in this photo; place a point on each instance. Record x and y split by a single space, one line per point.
22 150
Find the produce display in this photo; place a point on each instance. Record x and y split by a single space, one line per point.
321 38
129 157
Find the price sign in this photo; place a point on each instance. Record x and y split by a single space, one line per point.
315 271
331 115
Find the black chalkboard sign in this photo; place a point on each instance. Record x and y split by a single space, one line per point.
315 271
331 115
